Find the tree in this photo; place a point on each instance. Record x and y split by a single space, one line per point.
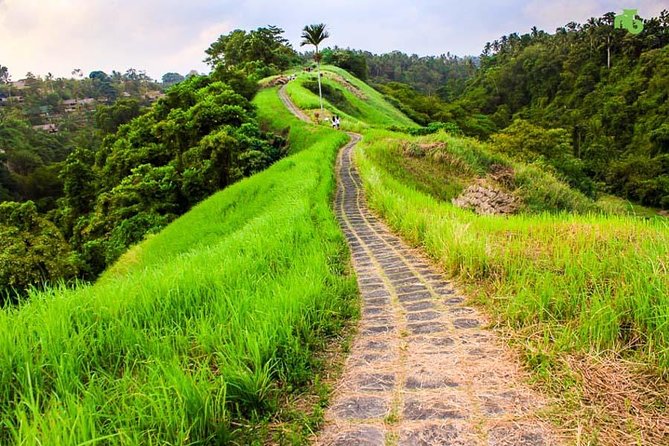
354 63
314 35
33 249
109 118
172 78
4 74
260 52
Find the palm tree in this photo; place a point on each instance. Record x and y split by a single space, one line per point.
314 35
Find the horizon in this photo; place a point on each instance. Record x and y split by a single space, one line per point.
43 45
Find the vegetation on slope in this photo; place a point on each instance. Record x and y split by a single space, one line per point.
201 137
584 297
43 119
588 281
443 165
565 278
604 88
358 105
112 174
198 330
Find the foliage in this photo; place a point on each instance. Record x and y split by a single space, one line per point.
4 74
109 118
314 35
534 144
333 95
442 164
170 79
140 167
34 251
261 52
348 60
29 162
200 138
604 87
444 75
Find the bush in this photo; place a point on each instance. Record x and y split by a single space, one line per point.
34 251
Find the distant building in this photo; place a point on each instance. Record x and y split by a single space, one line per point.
154 95
49 128
19 85
71 105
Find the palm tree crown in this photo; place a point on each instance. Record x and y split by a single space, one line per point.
314 35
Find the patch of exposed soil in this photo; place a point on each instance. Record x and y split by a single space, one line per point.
485 199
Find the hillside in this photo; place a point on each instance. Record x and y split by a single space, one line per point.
359 105
579 286
210 322
453 162
588 99
203 331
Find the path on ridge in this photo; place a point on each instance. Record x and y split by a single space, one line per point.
421 370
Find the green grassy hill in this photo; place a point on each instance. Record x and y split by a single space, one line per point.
212 321
201 332
359 106
567 266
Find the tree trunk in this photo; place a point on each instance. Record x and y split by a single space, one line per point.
608 52
320 92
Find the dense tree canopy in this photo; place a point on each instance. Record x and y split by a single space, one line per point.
351 61
603 91
263 51
607 88
101 189
201 137
172 78
33 249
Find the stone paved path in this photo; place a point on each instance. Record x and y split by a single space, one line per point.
422 370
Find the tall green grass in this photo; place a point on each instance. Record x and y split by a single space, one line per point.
451 163
200 327
589 282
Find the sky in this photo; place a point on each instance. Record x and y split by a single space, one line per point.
160 36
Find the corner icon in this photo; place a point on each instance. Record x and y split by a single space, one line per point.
628 21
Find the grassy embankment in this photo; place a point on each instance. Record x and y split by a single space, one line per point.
596 281
359 106
584 297
197 333
582 292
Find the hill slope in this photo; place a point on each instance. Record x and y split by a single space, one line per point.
579 289
194 328
213 321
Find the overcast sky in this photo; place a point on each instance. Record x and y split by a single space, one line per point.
171 35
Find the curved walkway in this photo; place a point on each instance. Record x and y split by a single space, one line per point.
422 370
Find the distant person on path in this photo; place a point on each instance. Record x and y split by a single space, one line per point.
336 121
